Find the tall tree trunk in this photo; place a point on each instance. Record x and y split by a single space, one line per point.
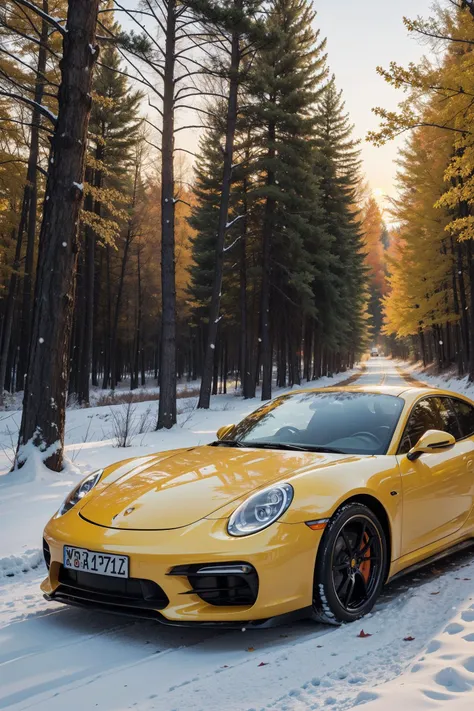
205 392
470 263
167 404
265 300
44 404
108 321
31 198
138 328
84 370
10 304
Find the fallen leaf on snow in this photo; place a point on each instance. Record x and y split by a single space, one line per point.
364 634
435 593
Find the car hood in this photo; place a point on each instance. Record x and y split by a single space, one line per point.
176 489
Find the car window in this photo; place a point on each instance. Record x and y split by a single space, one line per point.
448 417
350 422
465 415
432 413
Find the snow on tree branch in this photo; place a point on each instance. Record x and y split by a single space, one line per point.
42 109
44 15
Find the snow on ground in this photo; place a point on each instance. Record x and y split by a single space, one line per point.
447 380
52 657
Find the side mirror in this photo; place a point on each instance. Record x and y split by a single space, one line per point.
431 441
225 431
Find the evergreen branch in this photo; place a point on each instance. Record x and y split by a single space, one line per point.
44 15
113 38
142 27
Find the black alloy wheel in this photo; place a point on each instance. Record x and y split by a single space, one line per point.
350 566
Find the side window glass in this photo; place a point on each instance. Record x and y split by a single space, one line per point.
425 416
465 415
448 417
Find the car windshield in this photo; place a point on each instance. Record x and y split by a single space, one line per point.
343 422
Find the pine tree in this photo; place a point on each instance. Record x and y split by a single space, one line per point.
286 84
375 242
344 328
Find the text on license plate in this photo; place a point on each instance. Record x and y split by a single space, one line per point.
94 562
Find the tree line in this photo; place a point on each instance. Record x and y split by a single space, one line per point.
429 306
123 257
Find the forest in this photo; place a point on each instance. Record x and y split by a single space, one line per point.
428 303
182 199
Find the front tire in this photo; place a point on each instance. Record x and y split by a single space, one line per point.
350 566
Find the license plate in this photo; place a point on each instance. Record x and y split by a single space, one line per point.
82 559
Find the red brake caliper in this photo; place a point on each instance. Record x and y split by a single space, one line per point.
365 565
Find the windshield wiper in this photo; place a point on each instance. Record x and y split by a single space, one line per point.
294 447
275 445
327 450
228 443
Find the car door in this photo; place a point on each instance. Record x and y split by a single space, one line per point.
437 488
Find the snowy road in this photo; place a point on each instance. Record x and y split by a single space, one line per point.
380 371
52 657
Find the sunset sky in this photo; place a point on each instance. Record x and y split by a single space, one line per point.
362 35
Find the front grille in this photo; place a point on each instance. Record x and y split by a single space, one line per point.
223 584
46 554
85 587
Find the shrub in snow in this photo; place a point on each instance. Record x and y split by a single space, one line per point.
125 424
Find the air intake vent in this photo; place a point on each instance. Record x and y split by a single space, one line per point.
46 554
223 584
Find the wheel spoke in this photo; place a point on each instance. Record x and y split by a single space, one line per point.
347 543
351 592
356 563
367 546
370 559
362 579
360 537
343 587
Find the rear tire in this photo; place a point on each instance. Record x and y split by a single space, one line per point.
350 565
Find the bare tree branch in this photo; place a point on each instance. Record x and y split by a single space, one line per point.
44 16
42 109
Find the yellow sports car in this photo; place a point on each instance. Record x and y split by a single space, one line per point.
306 507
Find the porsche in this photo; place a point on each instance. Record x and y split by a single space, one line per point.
305 508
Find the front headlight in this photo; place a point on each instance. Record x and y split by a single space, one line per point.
260 510
79 492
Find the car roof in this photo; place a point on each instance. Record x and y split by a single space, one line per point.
407 392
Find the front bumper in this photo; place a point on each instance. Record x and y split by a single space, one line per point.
283 556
